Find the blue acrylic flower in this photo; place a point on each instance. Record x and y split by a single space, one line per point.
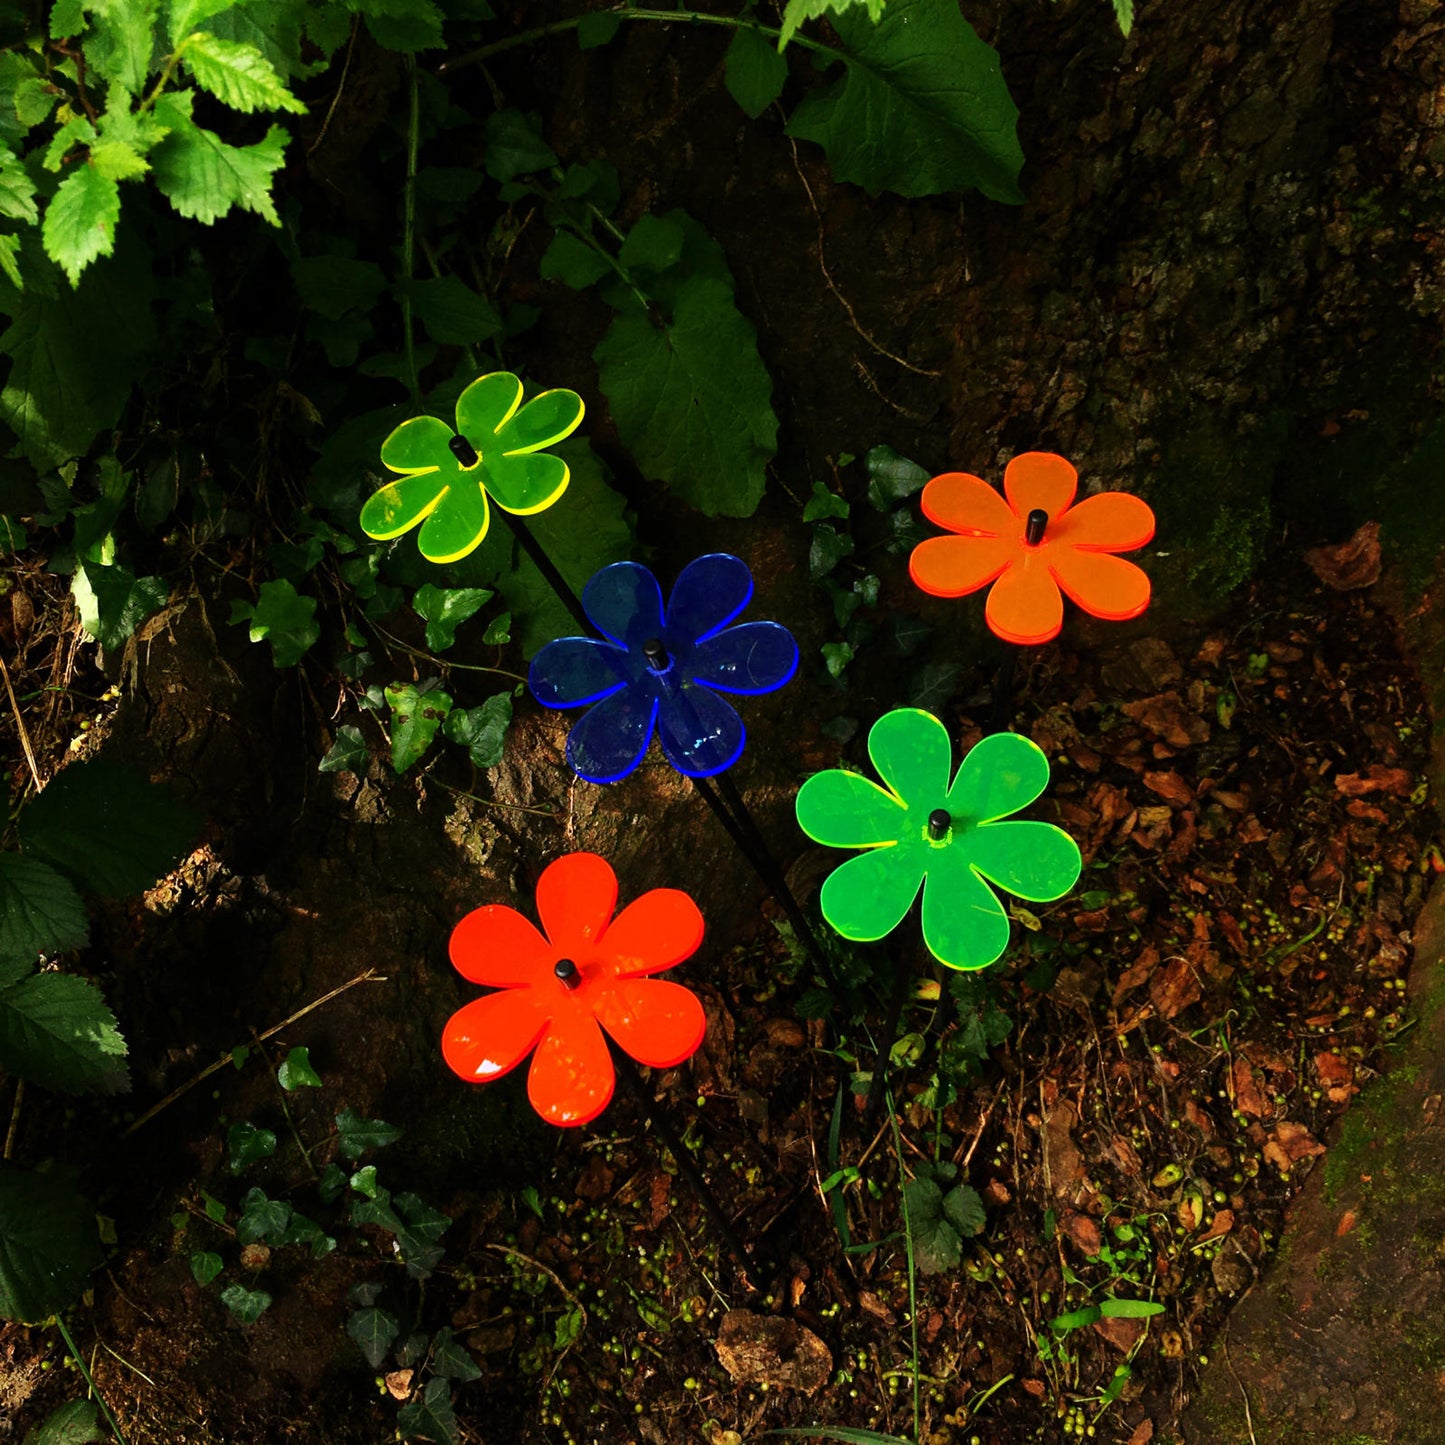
662 668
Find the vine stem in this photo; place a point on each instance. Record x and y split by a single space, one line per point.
408 233
908 1240
90 1380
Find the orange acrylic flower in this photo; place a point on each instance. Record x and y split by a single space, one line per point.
558 992
1032 543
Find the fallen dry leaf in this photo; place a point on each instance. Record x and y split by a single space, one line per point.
1121 1333
398 1384
1377 778
1167 717
1170 786
1084 1231
765 1349
1143 1433
1138 972
1174 988
1349 565
1289 1144
1247 1097
1062 1160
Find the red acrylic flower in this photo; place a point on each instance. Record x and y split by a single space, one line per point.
991 546
591 969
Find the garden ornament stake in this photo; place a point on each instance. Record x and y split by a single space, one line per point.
580 998
930 828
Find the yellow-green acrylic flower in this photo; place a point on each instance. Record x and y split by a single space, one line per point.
447 476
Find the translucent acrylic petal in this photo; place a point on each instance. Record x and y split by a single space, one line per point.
498 947
524 485
1039 480
548 417
490 1035
964 924
700 733
866 897
1001 774
659 1023
1036 861
417 445
624 603
1105 522
400 505
571 1078
608 741
956 566
485 407
709 592
847 810
1104 586
458 522
1025 606
968 505
654 932
576 896
751 658
913 755
574 671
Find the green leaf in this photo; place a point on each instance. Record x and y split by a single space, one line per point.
113 602
331 286
1130 1309
451 1360
936 1245
1075 1319
203 177
655 243
348 754
40 911
444 610
836 657
1124 14
373 1330
262 1218
76 131
429 1415
80 220
117 160
824 504
296 1071
454 314
407 26
187 14
598 28
364 1181
499 631
56 1031
415 717
9 249
75 1423
754 72
245 1144
109 827
572 261
246 1305
120 40
205 1266
921 108
417 1238
48 1244
482 730
237 74
798 11
356 1135
514 146
283 618
964 1210
17 191
828 547
892 478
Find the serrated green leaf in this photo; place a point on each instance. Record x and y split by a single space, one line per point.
120 41
296 1071
454 314
117 160
245 1144
373 1330
76 131
797 12
283 618
113 602
415 718
203 177
187 14
108 827
40 911
348 754
754 71
246 1305
80 220
514 146
482 730
936 1246
921 108
67 18
429 1414
963 1208
48 1244
56 1031
445 609
356 1135
237 74
34 100
75 1423
1124 14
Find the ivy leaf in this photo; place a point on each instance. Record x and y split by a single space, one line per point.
828 547
921 108
429 1414
262 1218
415 717
356 1135
444 610
48 1244
237 74
40 911
932 685
205 1266
754 72
296 1071
936 1245
113 602
246 1305
203 177
373 1330
80 220
56 1031
451 1360
283 618
482 730
245 1144
109 827
348 754
892 478
75 1423
836 657
823 504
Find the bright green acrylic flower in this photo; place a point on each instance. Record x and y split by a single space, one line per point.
923 829
446 475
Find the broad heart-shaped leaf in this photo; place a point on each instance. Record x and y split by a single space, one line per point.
444 610
108 827
936 1245
452 312
56 1031
415 718
296 1071
237 74
482 730
282 617
429 1415
356 1135
75 1423
348 754
754 72
921 108
113 601
48 1244
40 911
203 177
246 1305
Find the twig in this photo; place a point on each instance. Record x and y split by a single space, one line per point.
20 726
14 1128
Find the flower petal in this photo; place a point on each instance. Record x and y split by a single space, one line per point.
964 924
1036 861
709 592
866 897
847 810
624 603
490 1035
527 484
1001 774
608 741
956 566
1024 606
574 671
575 896
486 406
1105 522
659 1023
547 418
968 505
1039 480
913 755
571 1079
751 658
1105 586
654 932
400 505
499 947
417 445
458 522
700 733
